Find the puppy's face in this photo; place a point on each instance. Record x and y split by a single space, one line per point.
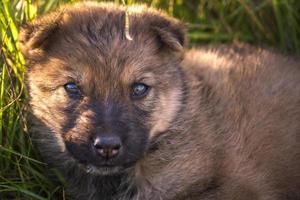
99 98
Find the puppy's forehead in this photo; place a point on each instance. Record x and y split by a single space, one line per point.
92 40
120 63
103 30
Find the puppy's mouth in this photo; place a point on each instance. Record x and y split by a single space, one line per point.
105 169
102 170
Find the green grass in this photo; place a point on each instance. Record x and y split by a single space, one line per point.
274 23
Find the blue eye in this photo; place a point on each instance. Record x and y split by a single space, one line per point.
72 88
139 90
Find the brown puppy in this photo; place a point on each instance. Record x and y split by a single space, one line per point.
145 119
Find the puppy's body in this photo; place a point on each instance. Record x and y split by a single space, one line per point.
216 124
239 100
233 139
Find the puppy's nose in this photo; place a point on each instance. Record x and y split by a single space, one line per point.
107 146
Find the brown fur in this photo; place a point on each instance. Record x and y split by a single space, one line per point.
219 123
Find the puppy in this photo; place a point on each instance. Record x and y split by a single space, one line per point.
127 113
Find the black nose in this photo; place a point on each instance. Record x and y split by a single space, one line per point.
107 146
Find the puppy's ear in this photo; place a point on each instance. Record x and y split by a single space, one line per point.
171 35
36 36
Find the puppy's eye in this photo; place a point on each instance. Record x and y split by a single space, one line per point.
139 90
72 88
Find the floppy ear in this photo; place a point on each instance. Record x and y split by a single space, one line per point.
171 35
35 36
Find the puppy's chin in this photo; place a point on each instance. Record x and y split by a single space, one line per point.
102 171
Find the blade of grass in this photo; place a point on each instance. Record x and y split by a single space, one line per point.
20 155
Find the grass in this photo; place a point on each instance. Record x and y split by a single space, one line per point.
23 175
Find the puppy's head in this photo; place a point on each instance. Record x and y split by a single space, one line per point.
102 85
